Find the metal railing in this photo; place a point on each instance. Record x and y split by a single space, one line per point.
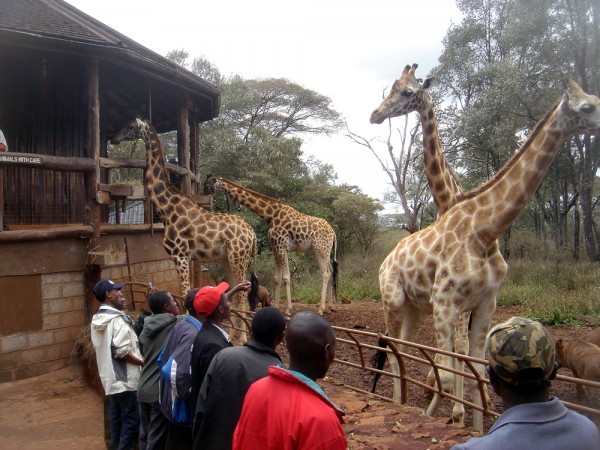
359 340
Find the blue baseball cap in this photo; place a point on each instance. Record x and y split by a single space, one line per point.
103 286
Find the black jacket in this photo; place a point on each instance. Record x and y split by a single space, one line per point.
209 341
221 398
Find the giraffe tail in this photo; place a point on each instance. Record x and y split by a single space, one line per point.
378 362
334 265
253 294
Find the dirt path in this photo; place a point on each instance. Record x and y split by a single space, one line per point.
56 410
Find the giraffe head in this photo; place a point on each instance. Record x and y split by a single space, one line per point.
578 112
211 184
136 129
407 95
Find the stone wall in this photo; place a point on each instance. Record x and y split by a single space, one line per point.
31 353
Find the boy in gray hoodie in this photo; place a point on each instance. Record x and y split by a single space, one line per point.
156 331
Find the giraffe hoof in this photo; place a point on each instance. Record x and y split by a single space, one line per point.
288 312
320 311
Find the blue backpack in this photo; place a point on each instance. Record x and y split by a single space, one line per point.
180 410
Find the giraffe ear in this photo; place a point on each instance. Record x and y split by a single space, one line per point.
428 82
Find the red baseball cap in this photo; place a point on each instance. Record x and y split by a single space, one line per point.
208 298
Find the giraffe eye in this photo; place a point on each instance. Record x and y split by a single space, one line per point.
406 93
588 108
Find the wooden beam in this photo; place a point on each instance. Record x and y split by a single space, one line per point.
60 163
182 145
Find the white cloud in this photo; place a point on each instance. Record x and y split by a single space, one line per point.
347 50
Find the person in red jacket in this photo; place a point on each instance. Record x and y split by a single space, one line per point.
287 409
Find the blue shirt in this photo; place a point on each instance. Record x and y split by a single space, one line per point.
538 426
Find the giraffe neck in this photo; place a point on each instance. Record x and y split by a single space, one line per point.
499 201
265 207
157 178
444 188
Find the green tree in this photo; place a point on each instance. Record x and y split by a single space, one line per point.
356 220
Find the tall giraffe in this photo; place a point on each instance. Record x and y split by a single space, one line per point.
289 231
410 94
189 229
449 268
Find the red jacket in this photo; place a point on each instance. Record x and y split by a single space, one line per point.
286 411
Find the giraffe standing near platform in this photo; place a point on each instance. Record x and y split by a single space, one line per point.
289 231
451 267
189 229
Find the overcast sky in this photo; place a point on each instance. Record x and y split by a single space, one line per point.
349 51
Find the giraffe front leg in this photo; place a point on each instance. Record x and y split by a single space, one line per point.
446 320
480 324
239 301
181 259
288 287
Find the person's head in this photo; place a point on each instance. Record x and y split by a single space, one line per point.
212 303
268 326
108 292
521 355
188 301
310 341
162 302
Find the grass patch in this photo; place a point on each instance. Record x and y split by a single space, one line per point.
553 293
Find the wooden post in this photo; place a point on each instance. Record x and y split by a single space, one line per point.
195 152
92 179
183 140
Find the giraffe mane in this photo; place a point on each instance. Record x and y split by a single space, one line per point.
516 156
257 194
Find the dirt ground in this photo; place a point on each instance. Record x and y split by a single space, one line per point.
60 410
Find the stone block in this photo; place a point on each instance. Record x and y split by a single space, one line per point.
9 361
51 321
73 289
39 338
13 342
52 291
72 318
60 305
33 356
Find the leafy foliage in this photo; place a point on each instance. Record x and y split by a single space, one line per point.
501 69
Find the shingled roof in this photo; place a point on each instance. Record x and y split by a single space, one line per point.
58 26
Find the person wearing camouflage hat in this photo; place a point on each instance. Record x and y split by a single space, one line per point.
521 358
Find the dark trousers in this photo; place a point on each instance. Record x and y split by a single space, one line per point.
153 427
179 437
124 420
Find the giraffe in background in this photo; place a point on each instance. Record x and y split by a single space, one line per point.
189 229
289 231
449 268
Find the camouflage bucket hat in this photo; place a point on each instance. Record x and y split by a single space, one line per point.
519 344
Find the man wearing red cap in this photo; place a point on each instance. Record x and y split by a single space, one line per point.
211 303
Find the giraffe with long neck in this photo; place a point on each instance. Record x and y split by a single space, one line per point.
189 229
411 94
450 267
289 231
